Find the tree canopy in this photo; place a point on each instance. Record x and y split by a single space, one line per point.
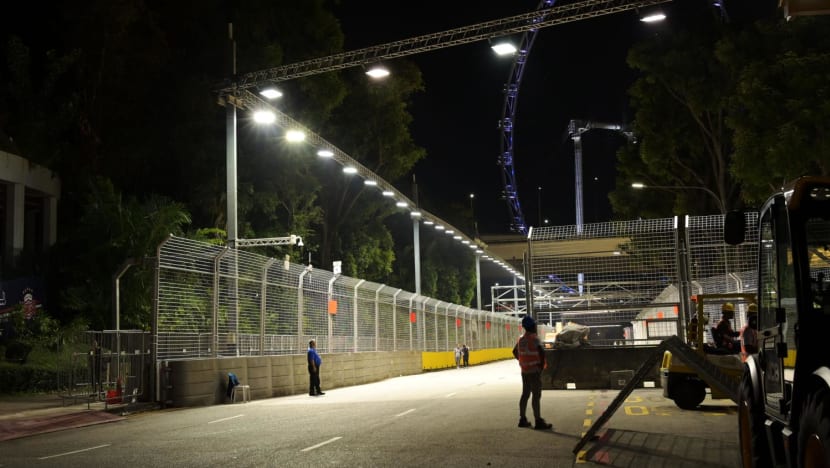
120 99
734 108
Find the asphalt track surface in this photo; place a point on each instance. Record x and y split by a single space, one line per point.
457 417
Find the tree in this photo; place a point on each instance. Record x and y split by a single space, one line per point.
127 91
372 125
781 104
681 103
110 231
739 108
120 99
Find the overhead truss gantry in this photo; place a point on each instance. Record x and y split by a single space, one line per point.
528 23
561 14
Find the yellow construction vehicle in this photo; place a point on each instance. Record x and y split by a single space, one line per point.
682 383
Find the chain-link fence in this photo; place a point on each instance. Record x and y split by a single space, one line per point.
212 301
628 280
631 281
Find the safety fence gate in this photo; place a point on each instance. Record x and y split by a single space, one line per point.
115 369
631 281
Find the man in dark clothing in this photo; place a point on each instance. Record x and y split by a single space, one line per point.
724 336
531 355
314 362
465 353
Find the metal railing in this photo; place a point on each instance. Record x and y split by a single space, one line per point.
638 275
212 301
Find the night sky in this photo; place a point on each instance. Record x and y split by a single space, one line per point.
574 71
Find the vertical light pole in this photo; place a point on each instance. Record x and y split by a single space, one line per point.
473 214
416 237
478 253
539 205
230 164
230 149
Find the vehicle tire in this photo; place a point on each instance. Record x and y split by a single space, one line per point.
752 436
814 431
689 393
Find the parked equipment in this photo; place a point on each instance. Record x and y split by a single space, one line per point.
682 383
784 402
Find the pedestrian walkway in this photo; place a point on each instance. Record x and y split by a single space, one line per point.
27 415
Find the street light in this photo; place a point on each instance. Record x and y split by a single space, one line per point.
655 15
638 185
504 48
246 100
377 72
473 214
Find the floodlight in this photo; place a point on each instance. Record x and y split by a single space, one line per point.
504 48
271 93
378 71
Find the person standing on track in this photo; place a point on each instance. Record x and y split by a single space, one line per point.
314 361
531 355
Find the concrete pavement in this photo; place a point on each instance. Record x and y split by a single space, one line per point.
26 415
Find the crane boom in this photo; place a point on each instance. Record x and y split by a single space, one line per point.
464 35
575 130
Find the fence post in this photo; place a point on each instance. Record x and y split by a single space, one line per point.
116 299
354 331
377 316
422 306
488 332
455 324
410 312
300 307
465 325
395 320
156 383
328 314
215 333
263 304
447 324
435 319
682 241
529 272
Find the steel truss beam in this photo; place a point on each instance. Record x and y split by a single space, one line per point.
531 21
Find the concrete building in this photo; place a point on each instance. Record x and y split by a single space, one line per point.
28 205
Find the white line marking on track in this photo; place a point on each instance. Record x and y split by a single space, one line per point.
320 444
73 452
226 419
450 395
404 413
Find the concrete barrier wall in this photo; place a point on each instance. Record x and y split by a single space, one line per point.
204 382
446 359
591 368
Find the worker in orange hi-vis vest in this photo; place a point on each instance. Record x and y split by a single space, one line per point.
531 356
749 333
